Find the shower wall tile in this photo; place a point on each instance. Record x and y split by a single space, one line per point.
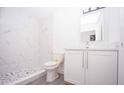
25 43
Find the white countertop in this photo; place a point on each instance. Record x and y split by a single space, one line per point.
91 49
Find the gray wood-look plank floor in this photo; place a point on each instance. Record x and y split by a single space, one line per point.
42 81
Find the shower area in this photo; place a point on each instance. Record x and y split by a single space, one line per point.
25 42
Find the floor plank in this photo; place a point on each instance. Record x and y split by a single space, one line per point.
42 81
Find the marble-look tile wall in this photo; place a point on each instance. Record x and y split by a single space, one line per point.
25 42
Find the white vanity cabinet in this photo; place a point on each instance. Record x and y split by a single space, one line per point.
90 67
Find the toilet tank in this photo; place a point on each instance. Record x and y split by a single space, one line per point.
59 58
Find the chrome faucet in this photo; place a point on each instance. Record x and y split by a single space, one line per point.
87 44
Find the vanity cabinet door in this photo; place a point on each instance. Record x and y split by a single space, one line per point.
74 67
101 68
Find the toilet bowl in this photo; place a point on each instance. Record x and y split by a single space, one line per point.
52 67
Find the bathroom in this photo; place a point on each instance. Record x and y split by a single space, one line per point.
37 44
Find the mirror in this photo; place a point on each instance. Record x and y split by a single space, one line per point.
91 26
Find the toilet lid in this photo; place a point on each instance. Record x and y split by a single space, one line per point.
50 64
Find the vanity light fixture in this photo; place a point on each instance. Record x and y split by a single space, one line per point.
91 9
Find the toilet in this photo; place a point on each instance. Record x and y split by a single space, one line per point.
51 67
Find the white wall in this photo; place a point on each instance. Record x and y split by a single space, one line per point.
66 29
121 50
25 41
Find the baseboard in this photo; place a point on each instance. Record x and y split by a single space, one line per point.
26 80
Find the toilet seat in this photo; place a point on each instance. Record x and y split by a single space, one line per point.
49 64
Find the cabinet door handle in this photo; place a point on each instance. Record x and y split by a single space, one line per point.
87 59
83 60
122 44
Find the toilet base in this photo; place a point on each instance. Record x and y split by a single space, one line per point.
52 75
